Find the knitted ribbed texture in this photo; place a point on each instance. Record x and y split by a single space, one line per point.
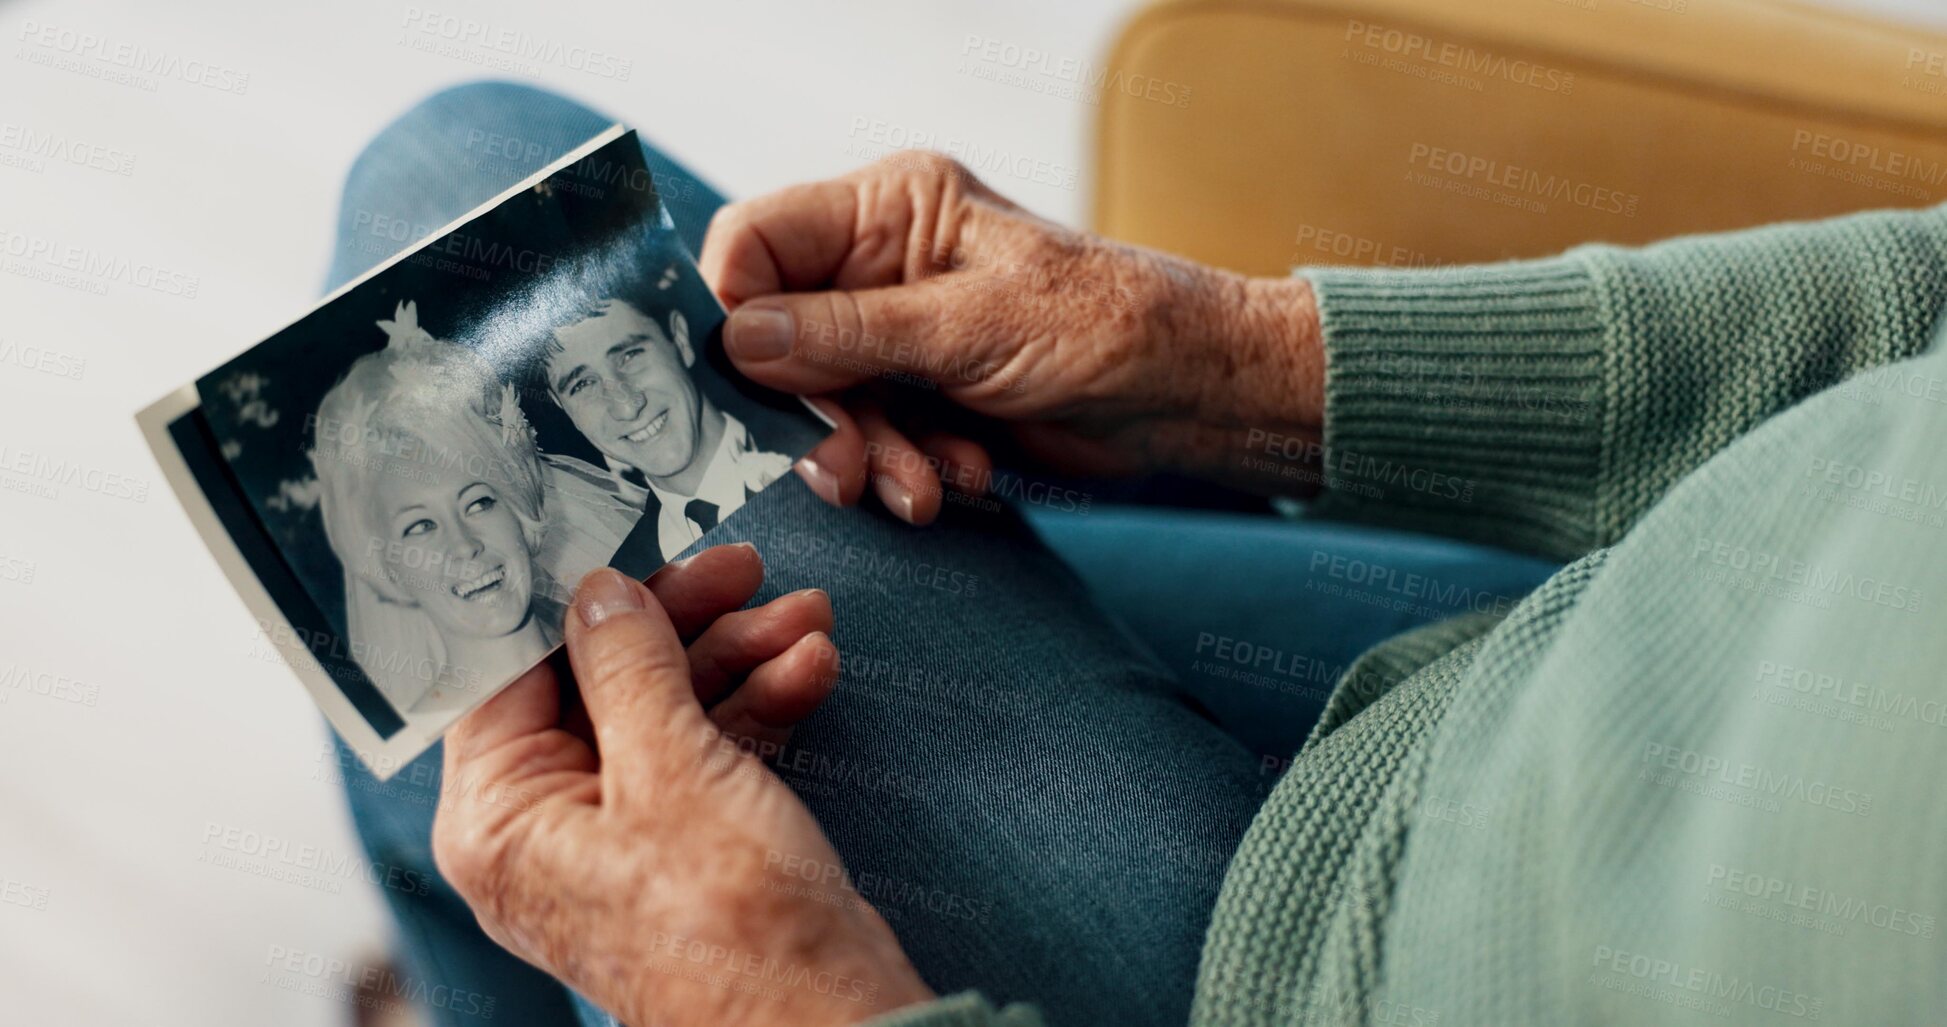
1546 405
1468 843
1467 399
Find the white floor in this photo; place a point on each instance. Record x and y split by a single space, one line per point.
142 727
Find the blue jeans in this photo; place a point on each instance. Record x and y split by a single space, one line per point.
1041 808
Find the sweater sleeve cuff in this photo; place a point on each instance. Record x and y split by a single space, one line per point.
966 1009
1465 401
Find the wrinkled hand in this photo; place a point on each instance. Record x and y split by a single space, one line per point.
1100 358
636 856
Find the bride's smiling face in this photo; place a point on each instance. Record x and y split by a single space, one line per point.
454 546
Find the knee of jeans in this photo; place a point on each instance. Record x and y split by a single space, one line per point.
485 122
450 153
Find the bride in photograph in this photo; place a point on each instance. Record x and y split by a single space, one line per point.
460 546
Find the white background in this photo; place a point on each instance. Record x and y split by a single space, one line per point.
104 808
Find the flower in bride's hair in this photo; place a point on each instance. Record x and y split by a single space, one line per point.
403 331
514 428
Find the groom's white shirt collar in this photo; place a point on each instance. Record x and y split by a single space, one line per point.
737 468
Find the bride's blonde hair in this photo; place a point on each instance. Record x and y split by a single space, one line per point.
419 406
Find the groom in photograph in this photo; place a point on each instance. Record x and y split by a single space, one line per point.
626 382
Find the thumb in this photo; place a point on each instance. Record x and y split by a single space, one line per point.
635 680
817 342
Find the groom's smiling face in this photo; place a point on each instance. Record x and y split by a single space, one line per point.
624 383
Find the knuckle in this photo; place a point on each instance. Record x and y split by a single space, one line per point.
727 218
466 853
634 657
933 164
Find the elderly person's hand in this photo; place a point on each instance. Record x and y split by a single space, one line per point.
1102 358
636 857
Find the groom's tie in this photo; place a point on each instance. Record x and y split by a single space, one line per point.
703 512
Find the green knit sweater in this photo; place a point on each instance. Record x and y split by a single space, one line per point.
1696 776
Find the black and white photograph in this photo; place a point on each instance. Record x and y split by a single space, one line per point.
440 451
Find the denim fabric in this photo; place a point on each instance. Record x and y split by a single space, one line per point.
1009 779
1257 617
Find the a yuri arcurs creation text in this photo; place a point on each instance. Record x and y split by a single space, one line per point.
407 483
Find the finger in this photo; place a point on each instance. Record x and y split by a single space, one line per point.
780 693
894 221
503 761
530 705
817 342
698 590
739 642
902 476
635 680
962 464
835 468
799 237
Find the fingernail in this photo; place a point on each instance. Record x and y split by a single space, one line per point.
812 592
822 481
759 332
693 557
897 499
603 593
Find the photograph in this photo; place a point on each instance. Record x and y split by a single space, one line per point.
441 450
